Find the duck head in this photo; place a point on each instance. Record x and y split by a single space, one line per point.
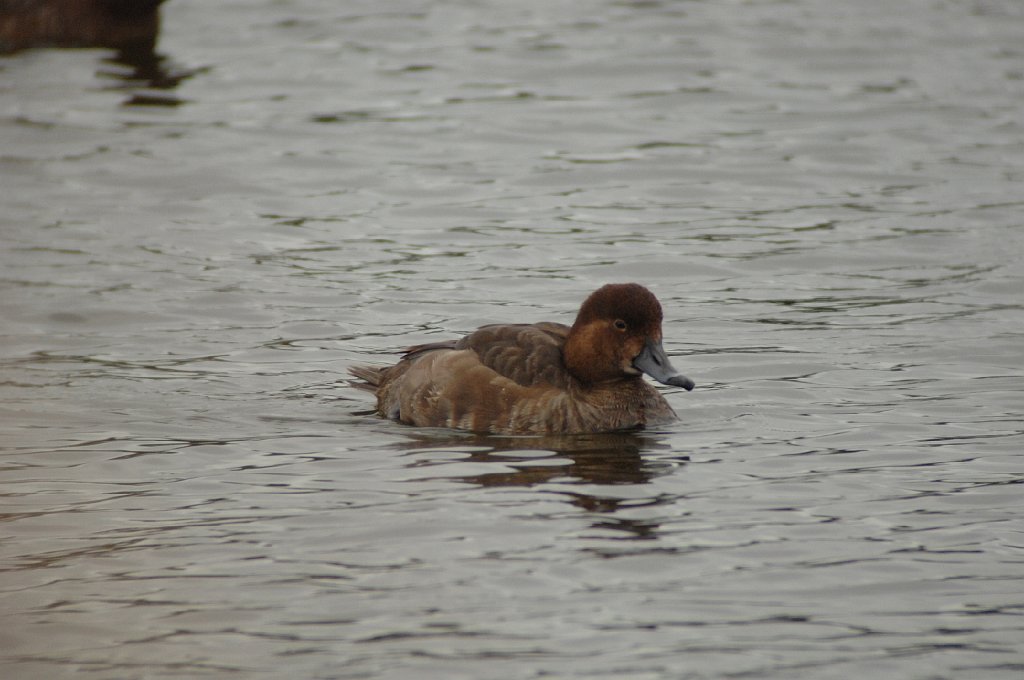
617 336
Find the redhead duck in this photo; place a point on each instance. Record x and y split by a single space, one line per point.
543 378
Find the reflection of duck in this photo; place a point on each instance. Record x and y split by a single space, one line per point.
543 378
78 23
582 470
129 27
606 459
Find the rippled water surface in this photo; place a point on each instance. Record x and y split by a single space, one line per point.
826 197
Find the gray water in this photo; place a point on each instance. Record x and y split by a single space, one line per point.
826 197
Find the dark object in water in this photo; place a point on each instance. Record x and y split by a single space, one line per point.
119 24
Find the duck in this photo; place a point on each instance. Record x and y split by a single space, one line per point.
543 378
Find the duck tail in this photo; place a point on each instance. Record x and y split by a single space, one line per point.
370 375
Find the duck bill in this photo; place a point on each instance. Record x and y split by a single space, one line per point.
654 362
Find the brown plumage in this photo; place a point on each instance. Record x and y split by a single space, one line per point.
120 24
543 378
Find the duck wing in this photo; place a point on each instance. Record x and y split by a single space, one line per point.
528 354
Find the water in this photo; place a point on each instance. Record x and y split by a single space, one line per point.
825 196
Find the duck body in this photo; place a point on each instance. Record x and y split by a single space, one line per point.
543 378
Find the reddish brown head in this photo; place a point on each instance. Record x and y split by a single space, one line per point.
617 336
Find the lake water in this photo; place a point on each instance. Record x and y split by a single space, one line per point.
827 197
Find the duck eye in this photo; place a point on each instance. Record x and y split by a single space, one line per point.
620 324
